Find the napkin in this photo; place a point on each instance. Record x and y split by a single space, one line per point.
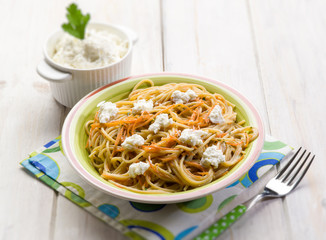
147 221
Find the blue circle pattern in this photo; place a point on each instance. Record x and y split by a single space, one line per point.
253 171
233 184
184 233
110 210
268 158
46 164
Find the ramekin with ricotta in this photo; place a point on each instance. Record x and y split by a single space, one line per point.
99 48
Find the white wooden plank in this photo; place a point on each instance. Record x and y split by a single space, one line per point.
29 118
291 38
73 222
213 38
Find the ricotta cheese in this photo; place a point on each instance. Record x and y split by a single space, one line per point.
192 137
108 111
183 97
133 142
161 121
99 48
142 105
137 169
212 156
216 115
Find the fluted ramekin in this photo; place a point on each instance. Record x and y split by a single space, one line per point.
69 85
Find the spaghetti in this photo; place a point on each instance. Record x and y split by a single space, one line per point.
164 158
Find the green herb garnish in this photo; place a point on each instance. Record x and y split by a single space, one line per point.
76 22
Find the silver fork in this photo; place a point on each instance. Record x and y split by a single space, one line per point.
280 185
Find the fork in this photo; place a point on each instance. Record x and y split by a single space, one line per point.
280 185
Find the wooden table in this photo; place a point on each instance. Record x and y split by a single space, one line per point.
272 51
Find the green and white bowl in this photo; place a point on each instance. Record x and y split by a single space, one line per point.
74 136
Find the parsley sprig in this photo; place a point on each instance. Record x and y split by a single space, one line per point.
76 22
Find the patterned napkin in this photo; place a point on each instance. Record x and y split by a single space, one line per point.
146 221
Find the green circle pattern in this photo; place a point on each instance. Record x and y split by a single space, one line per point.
197 205
78 199
143 207
61 149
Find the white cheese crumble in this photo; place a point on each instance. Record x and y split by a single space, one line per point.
212 156
133 142
137 169
161 121
142 105
216 115
183 97
99 48
108 111
192 137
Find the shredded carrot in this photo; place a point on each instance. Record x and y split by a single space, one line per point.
193 116
159 112
193 175
247 140
117 141
187 109
139 180
187 122
202 173
123 137
166 159
128 130
139 120
153 167
209 112
144 183
154 148
184 111
119 149
196 165
197 105
169 141
234 144
96 117
220 135
224 173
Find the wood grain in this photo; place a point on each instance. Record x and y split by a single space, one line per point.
291 38
29 118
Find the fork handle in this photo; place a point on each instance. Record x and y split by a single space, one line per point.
217 228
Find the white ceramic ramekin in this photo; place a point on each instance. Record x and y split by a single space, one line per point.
69 85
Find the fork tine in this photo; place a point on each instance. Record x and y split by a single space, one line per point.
287 165
304 172
298 170
288 172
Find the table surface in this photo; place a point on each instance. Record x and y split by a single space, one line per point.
271 51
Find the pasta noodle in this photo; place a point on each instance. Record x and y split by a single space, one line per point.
174 163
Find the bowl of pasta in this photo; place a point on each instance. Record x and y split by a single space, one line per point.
163 138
